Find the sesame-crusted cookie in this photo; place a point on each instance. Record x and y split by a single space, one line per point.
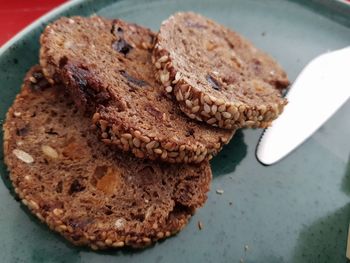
82 188
107 67
216 75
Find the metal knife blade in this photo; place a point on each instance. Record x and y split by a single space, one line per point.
319 91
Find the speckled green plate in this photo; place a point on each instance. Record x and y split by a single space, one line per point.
295 211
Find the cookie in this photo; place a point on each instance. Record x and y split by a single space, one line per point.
87 191
106 65
216 75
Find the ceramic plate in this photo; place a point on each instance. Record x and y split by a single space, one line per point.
295 211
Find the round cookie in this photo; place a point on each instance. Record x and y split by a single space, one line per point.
106 65
216 75
87 191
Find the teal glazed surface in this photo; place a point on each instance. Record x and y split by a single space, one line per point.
295 211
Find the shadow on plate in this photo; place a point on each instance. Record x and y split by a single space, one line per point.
231 155
345 187
326 239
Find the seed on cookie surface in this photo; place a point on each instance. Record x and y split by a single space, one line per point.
49 151
23 156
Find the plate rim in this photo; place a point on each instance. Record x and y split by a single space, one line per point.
70 3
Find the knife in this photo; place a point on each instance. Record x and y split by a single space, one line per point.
319 91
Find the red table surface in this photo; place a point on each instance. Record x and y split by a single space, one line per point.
17 14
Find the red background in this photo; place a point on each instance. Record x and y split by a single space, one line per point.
16 14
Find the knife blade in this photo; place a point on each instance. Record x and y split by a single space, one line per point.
319 91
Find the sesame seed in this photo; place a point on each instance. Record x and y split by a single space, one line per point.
151 145
211 121
49 151
226 115
181 97
164 154
232 109
169 89
124 141
160 234
136 142
163 59
118 244
219 102
62 227
201 158
200 225
228 121
32 79
158 151
103 125
192 116
214 108
158 65
207 99
241 108
146 240
164 77
119 223
205 114
218 116
177 76
222 108
17 114
33 205
187 94
108 242
94 247
195 109
127 136
145 139
206 108
249 123
219 191
249 113
23 156
262 109
173 154
236 116
57 211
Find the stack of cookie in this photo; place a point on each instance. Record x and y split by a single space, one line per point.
110 138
